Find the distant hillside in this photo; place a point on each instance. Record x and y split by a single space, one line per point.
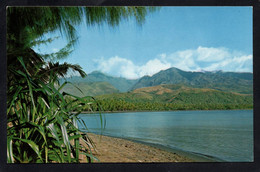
170 93
90 89
174 97
122 84
224 81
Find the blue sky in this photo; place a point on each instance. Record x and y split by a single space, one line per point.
189 38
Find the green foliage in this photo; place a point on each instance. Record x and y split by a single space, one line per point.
42 121
173 97
26 27
42 124
34 22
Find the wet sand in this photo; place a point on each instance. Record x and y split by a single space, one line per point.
116 150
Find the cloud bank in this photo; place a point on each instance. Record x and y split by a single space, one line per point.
202 58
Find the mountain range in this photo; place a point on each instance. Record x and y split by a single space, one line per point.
224 81
82 89
121 84
97 83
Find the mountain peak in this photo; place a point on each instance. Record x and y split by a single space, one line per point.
96 72
225 81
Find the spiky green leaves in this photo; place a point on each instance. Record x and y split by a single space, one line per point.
42 122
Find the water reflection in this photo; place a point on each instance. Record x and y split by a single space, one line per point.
227 135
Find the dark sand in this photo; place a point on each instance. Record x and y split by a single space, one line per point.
115 150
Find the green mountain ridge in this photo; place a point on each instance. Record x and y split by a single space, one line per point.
122 84
224 81
174 97
82 89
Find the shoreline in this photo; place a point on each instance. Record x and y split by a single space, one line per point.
123 150
97 112
196 157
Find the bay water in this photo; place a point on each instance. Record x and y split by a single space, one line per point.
224 135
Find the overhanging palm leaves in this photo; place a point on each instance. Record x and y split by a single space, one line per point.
29 23
42 121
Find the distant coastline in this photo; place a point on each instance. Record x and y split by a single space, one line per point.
96 112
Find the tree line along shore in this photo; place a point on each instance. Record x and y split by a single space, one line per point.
124 106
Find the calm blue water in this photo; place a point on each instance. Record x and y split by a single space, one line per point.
226 135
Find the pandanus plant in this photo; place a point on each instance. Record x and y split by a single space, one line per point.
43 121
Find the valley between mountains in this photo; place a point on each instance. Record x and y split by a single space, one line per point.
171 89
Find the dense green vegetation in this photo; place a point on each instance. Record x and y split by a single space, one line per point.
173 97
122 105
42 126
224 81
41 121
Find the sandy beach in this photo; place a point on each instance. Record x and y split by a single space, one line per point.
115 150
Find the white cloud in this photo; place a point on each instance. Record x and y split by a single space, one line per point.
202 58
183 60
118 66
211 54
152 67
